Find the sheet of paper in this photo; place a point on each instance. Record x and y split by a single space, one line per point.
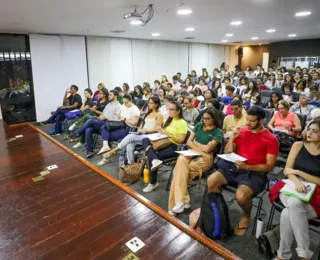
156 136
232 157
19 136
188 153
43 173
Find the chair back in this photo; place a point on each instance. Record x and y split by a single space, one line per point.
140 103
265 96
303 120
269 115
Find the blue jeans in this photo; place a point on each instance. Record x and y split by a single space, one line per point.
114 135
90 127
58 117
163 154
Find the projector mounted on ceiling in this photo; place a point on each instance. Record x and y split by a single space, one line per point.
136 18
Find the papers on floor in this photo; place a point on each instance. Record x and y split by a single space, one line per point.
188 153
290 190
232 157
156 136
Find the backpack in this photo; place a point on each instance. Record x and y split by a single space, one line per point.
52 130
214 219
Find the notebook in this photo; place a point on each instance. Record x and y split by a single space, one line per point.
156 136
289 189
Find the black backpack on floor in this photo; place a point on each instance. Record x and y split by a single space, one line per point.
214 219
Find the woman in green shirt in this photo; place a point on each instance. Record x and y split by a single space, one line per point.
205 138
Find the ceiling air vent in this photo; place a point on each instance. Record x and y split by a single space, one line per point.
189 38
118 31
237 42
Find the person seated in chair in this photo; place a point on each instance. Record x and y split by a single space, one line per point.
129 115
204 139
74 102
152 120
96 110
237 119
303 107
260 148
176 129
303 164
190 113
284 120
93 125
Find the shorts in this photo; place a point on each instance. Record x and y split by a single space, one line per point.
256 181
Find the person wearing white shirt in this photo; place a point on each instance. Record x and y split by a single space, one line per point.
164 110
176 85
129 115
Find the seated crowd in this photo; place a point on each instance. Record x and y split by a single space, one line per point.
227 110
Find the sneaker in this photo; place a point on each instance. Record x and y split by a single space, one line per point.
78 145
179 207
89 155
102 162
72 127
73 136
104 150
150 187
155 164
44 123
171 213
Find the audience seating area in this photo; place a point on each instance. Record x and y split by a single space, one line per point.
219 92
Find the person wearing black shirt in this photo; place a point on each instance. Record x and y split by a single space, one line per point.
96 110
73 101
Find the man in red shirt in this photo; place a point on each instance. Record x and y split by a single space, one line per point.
260 148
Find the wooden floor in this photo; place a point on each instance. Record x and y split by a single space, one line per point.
75 213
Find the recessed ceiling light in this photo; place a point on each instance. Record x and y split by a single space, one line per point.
229 34
270 30
156 34
254 38
224 41
189 29
236 23
304 13
136 22
292 35
184 11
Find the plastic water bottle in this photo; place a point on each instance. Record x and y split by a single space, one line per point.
146 175
121 160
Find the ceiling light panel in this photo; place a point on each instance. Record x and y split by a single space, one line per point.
190 29
229 34
303 13
184 11
270 30
236 23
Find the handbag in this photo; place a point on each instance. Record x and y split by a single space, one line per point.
131 173
160 144
286 141
114 125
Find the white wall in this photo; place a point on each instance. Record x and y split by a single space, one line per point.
114 61
57 63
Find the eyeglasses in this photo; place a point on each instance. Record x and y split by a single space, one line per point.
207 118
